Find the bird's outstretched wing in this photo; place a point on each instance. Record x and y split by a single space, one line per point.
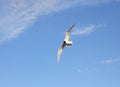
60 51
67 35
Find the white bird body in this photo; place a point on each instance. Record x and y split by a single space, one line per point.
69 43
65 42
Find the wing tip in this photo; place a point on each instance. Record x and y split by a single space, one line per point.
71 27
74 24
58 60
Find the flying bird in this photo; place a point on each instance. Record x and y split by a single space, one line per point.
65 42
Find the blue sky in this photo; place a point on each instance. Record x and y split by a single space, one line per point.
32 31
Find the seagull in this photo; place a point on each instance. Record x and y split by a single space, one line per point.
65 42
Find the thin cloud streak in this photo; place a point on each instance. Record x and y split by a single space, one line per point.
86 70
84 30
110 61
99 66
17 15
21 15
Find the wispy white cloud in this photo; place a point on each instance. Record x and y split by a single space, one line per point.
20 14
17 15
86 70
80 70
109 61
96 2
98 66
84 30
83 70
